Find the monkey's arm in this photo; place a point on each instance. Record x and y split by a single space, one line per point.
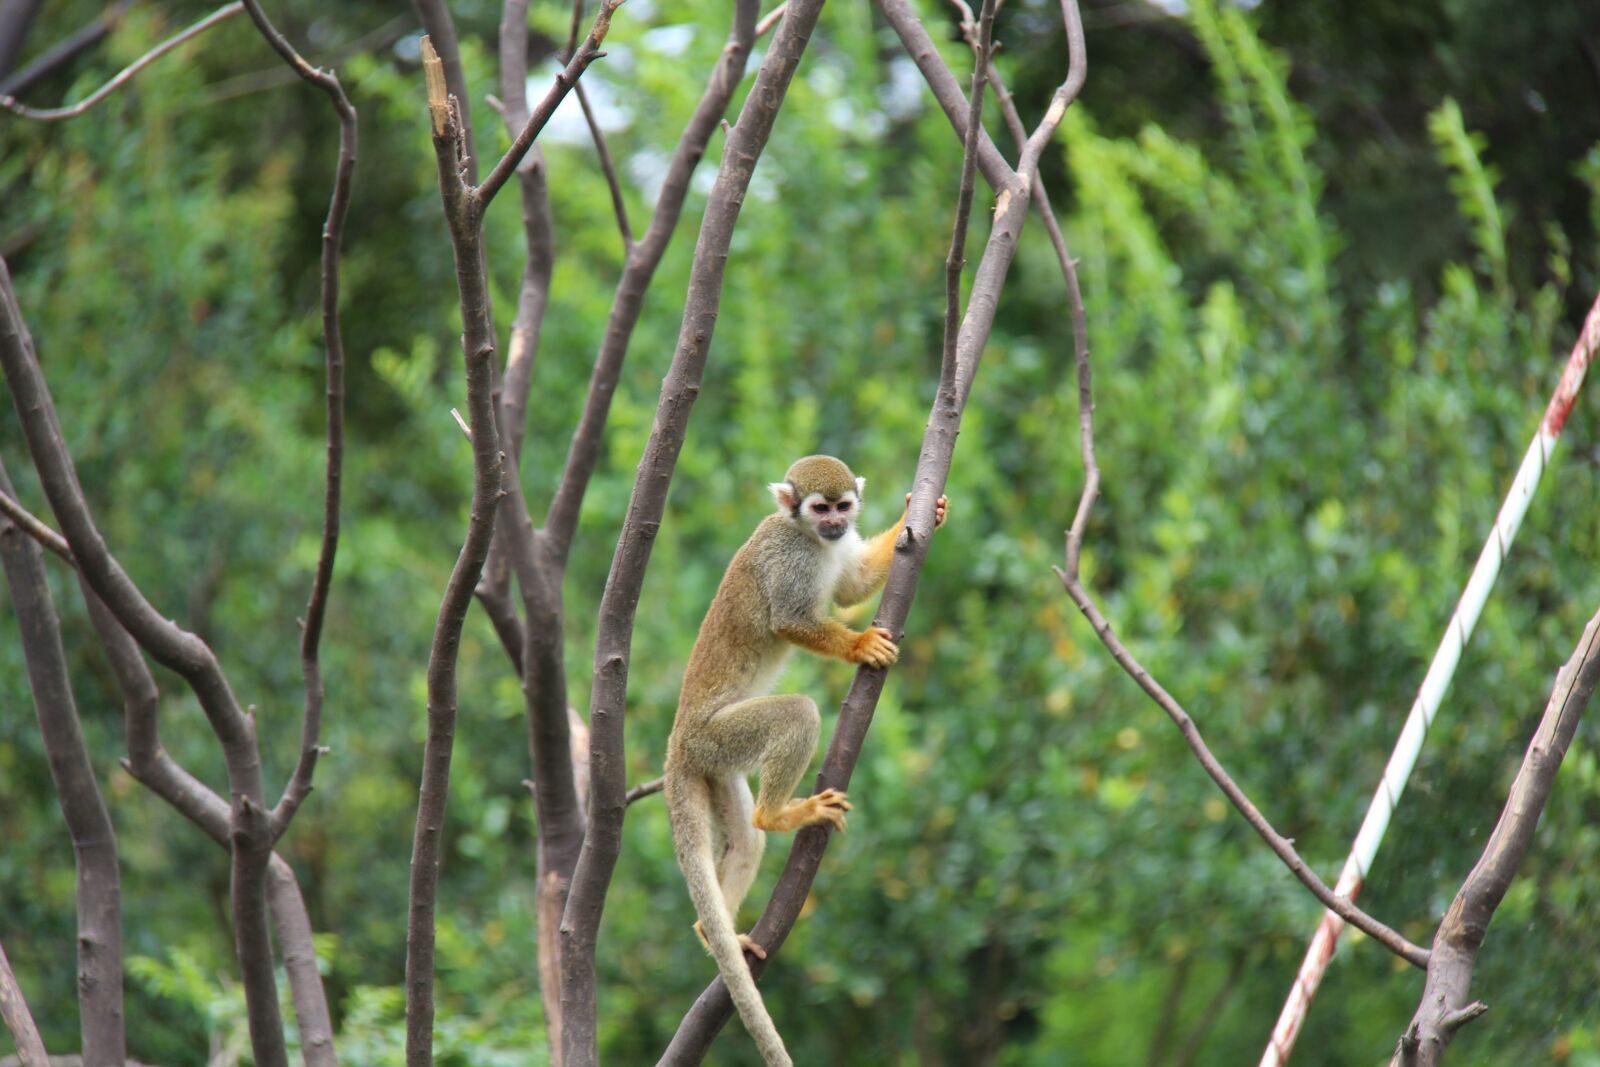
830 637
871 571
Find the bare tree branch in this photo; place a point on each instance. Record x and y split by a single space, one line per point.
713 1008
57 114
169 643
618 207
538 557
602 842
94 842
15 21
1444 1007
151 765
466 239
566 78
299 784
644 789
35 528
65 50
14 1013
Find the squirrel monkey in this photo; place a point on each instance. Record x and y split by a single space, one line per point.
775 593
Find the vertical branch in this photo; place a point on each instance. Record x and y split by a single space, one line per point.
333 346
1444 1007
14 1013
608 788
94 842
466 239
713 1007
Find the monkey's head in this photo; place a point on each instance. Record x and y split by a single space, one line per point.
821 494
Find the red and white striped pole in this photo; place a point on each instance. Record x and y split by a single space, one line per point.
1434 684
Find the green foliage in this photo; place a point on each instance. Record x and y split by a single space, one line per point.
1300 462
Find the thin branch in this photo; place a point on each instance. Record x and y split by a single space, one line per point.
299 785
770 19
602 842
14 1013
584 452
644 789
35 528
618 207
956 259
65 50
83 809
57 114
566 78
275 77
1444 1008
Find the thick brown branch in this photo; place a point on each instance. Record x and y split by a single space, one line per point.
171 645
57 114
477 344
94 842
1444 1007
151 765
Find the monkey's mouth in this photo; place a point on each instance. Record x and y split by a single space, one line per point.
830 532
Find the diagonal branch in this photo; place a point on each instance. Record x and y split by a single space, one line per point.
57 114
172 646
14 1013
35 528
608 788
565 79
1444 1007
713 1008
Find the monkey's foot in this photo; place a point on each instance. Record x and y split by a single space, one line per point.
827 806
746 942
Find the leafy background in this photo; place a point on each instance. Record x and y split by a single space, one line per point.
1333 259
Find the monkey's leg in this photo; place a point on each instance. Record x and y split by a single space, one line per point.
732 806
778 735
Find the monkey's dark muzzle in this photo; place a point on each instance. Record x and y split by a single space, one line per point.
832 531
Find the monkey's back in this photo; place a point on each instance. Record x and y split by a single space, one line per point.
736 654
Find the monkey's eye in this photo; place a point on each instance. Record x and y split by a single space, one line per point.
844 505
820 509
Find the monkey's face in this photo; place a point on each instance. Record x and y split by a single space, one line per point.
832 519
821 494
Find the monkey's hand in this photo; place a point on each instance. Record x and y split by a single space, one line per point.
746 942
874 647
940 508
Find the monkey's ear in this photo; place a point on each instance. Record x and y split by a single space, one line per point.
784 493
861 488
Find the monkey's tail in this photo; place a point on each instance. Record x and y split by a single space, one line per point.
691 835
